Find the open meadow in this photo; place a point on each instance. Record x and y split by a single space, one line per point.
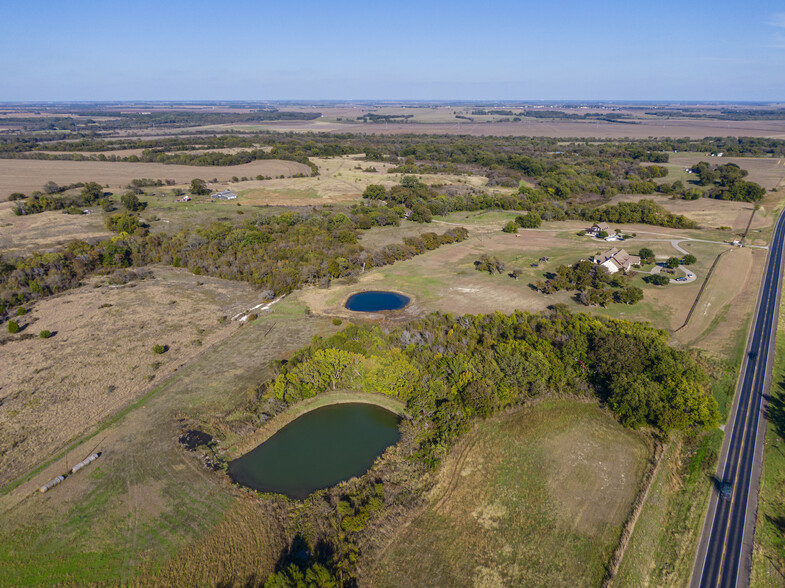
536 497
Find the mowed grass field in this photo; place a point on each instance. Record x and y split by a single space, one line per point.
147 512
533 498
100 358
446 280
27 175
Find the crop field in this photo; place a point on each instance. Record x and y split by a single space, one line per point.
101 354
27 175
536 497
145 509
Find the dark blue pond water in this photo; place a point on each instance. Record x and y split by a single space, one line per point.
376 300
318 450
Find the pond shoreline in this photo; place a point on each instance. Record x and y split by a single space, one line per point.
295 411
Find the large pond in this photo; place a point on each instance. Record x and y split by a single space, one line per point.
376 300
318 450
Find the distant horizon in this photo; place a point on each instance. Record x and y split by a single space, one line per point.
391 101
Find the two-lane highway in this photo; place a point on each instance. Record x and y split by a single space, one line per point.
725 551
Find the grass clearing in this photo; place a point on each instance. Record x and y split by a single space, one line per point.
768 556
536 497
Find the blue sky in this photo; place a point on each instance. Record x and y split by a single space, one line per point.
498 50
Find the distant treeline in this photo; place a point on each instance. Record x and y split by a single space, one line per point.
425 202
735 114
276 253
111 120
378 118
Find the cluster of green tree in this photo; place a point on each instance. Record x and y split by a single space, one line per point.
138 183
645 212
490 264
448 369
91 193
410 167
529 221
595 285
277 253
726 182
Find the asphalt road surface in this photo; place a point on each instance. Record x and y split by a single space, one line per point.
725 550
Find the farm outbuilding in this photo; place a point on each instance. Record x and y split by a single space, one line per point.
224 195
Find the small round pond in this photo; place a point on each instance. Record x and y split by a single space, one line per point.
376 300
318 450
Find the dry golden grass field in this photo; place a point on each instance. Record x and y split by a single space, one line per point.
26 175
100 358
537 497
39 232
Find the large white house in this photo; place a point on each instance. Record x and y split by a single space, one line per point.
616 259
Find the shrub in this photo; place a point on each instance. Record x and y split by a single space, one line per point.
673 262
21 311
510 227
13 327
45 334
160 348
646 253
689 259
658 280
337 321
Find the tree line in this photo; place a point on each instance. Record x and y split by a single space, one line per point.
275 253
